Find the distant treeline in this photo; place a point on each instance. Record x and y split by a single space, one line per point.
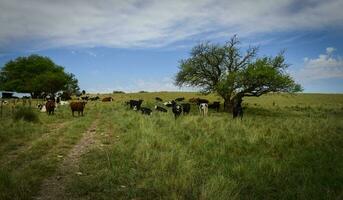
118 92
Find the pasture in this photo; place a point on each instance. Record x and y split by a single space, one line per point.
286 147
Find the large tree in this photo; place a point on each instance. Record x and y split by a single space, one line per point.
36 75
224 69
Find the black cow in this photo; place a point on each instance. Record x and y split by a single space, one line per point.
159 108
186 108
94 98
85 98
215 105
237 110
169 104
177 109
146 111
136 105
180 99
158 99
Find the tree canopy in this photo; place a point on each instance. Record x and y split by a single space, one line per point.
224 69
36 75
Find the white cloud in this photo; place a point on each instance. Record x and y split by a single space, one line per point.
330 50
323 67
41 24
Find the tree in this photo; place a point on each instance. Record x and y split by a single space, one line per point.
36 75
224 69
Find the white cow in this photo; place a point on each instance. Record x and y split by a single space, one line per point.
203 109
43 109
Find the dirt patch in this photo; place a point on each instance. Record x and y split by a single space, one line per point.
54 186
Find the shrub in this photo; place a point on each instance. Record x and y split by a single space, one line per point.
26 114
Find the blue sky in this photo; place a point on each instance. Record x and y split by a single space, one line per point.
136 45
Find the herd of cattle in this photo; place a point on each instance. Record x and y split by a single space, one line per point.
177 106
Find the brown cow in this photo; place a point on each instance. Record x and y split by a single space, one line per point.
78 106
50 107
106 99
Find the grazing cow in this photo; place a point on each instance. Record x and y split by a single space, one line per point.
160 109
78 106
50 107
158 99
186 108
237 110
135 104
203 109
85 98
180 99
146 111
177 109
215 105
168 104
4 102
94 98
107 99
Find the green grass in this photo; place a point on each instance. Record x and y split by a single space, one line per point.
286 147
29 152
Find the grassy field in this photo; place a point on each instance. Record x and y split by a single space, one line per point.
286 147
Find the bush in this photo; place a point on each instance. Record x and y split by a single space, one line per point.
26 114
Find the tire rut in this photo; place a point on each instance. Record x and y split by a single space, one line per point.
54 187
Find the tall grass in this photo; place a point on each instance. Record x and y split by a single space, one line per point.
274 153
29 152
26 114
286 147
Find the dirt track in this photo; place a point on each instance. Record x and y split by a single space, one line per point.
54 187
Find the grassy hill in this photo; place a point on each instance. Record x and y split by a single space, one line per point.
286 147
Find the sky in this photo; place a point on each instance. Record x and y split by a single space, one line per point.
136 45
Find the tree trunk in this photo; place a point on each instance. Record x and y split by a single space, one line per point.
228 104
